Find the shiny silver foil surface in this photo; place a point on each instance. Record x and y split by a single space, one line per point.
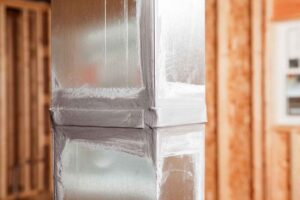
128 104
92 172
136 164
96 43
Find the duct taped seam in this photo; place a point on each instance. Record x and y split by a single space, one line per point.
105 107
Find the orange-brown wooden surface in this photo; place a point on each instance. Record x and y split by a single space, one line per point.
24 133
211 179
3 103
234 99
247 157
286 9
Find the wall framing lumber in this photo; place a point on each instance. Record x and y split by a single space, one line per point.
40 103
258 113
234 103
24 133
3 105
295 165
24 121
21 4
211 179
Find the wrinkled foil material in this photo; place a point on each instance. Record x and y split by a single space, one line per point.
116 59
128 104
117 163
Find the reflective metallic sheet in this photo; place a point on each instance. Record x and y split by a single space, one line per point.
98 48
179 41
129 164
96 43
91 172
180 162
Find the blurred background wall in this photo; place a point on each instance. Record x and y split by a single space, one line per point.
25 139
248 156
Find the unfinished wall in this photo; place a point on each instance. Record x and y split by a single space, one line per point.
247 157
24 99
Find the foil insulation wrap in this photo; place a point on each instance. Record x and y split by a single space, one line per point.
130 63
128 99
129 164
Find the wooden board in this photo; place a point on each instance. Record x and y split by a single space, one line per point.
3 105
258 113
21 4
286 9
211 76
295 165
24 90
40 104
279 179
234 100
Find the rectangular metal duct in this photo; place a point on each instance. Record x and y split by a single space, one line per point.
128 104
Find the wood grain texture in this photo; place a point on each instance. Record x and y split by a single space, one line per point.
3 105
286 9
234 100
21 4
23 101
211 79
24 93
11 100
40 103
280 171
295 165
258 112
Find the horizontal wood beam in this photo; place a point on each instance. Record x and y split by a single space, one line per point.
20 4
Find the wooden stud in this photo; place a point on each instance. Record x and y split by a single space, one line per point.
24 105
20 125
280 175
40 103
286 10
234 100
48 102
33 97
295 165
211 80
258 98
20 4
11 98
3 105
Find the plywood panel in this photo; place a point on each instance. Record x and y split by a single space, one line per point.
234 100
211 80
